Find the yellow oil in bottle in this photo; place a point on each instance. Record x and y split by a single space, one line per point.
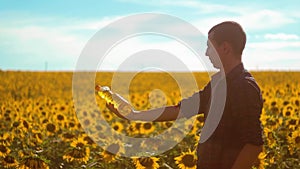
115 99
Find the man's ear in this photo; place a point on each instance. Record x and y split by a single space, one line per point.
226 47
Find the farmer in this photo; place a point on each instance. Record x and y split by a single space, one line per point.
236 139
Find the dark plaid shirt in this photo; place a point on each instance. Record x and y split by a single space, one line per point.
239 124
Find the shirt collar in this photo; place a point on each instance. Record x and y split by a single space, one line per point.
235 72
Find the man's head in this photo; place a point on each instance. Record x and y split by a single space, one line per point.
228 40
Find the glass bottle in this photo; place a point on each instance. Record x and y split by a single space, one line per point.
119 103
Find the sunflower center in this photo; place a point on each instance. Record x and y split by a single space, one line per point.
3 149
297 102
288 113
25 124
138 126
68 135
188 160
77 154
16 124
116 127
60 117
271 123
146 162
297 140
292 122
80 145
71 124
50 127
273 103
200 118
9 159
169 124
147 126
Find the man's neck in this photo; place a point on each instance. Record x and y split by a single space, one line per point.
230 65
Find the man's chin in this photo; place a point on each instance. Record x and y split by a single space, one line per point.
217 67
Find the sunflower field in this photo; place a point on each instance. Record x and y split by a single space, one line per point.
41 128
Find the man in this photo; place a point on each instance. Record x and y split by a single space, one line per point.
236 141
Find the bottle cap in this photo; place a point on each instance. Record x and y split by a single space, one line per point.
98 88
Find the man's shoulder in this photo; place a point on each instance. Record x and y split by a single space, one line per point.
245 81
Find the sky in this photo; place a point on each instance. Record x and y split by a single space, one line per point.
51 35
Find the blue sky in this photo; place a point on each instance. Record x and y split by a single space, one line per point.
38 34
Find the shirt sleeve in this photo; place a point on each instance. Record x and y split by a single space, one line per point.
195 104
246 109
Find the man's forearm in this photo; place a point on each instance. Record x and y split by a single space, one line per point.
247 157
168 113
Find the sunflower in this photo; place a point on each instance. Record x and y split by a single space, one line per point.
117 126
270 137
21 127
187 160
147 128
192 125
107 116
296 101
10 162
6 139
139 104
89 140
272 122
60 118
71 125
146 162
133 128
33 163
4 151
294 141
288 110
66 137
37 136
292 122
50 128
79 143
167 124
112 151
78 155
262 157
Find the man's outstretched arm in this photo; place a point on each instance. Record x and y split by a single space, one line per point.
167 113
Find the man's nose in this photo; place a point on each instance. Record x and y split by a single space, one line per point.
206 53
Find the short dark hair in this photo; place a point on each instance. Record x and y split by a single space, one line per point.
231 32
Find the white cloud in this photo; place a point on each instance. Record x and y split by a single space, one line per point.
272 56
274 45
281 36
257 20
265 19
123 52
198 7
59 44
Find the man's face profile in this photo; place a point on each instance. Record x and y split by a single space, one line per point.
212 52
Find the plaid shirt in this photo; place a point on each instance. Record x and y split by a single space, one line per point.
239 124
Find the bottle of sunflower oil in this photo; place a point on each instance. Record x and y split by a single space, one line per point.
115 99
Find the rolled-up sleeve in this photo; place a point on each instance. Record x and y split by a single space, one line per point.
246 109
